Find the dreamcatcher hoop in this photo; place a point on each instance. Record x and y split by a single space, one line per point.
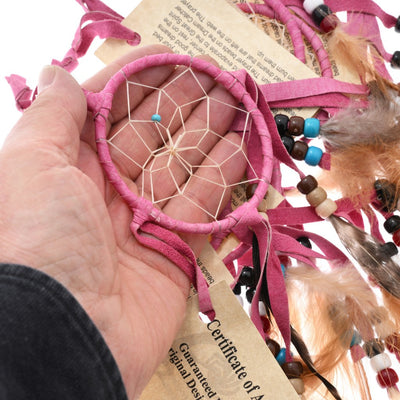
100 104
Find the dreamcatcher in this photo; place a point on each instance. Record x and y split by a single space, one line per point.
294 297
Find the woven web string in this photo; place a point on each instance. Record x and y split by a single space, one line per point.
178 152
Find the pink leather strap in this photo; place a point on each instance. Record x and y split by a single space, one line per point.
100 21
177 251
296 28
23 94
97 5
93 24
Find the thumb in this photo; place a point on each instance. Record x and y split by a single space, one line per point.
54 120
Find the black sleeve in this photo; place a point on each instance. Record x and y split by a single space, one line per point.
49 347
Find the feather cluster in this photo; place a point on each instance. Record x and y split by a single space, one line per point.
365 145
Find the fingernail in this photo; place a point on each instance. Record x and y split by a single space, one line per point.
46 77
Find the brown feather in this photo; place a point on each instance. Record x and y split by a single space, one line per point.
368 252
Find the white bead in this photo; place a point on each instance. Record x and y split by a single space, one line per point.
380 362
239 299
261 309
311 5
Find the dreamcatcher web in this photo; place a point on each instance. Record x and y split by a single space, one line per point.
173 151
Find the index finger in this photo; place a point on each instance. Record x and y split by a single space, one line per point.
153 76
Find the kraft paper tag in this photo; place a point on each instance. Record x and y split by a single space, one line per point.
271 200
212 267
280 34
225 359
216 28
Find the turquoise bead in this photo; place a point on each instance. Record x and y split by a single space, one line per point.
311 127
281 357
356 339
156 118
283 270
313 156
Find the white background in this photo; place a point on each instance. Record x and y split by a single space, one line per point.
35 32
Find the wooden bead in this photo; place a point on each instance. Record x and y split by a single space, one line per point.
317 196
274 347
299 150
374 347
387 378
307 184
296 126
292 369
298 385
326 208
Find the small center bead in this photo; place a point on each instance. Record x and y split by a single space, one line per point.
156 118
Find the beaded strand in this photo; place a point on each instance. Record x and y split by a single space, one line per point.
297 126
317 197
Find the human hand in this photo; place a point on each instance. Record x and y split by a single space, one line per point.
59 215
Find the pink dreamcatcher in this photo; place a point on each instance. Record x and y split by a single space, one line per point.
274 256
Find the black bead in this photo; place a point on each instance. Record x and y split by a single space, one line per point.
247 277
397 26
392 224
395 61
320 13
390 249
288 142
281 121
386 193
305 241
237 289
250 294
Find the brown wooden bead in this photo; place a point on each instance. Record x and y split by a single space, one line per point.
374 347
307 184
299 150
292 369
298 385
296 126
317 196
273 346
326 208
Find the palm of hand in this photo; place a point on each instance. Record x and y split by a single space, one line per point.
62 217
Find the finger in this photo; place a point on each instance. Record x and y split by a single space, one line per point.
53 122
133 141
190 144
150 77
208 190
